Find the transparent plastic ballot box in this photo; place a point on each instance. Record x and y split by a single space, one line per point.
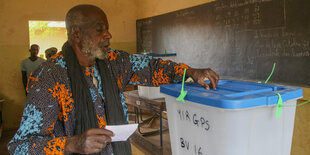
238 118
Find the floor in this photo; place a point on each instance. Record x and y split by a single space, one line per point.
5 139
150 145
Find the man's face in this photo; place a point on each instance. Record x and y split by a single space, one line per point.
95 38
34 50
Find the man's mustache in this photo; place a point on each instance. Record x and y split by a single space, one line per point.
105 43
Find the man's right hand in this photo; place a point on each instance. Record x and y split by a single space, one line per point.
91 141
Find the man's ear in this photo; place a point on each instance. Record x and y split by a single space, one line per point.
75 34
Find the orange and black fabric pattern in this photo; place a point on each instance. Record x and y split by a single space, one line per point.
48 117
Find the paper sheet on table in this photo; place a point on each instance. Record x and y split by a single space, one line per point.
122 132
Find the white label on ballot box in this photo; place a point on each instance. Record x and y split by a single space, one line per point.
196 120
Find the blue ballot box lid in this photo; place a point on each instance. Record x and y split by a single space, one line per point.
231 94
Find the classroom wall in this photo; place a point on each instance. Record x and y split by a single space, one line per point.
14 40
301 136
149 8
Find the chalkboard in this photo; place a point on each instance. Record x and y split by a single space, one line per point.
236 38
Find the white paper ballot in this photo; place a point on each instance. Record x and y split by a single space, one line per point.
122 132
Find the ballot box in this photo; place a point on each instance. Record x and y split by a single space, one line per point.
149 92
153 92
238 118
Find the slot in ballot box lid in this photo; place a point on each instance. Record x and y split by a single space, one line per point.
232 94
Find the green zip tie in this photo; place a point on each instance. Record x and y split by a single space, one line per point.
274 66
279 106
297 104
165 53
303 103
183 93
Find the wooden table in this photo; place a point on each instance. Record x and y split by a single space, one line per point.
156 106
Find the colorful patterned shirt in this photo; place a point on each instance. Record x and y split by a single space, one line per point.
48 117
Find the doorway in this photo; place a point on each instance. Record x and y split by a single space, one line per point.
47 34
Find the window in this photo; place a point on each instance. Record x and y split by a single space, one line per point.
47 34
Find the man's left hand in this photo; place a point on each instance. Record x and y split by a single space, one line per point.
198 75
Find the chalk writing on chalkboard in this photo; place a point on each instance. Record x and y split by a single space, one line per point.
236 38
147 21
237 3
184 13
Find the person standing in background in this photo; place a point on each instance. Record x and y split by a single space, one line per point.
50 52
30 64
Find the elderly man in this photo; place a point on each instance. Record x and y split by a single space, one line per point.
76 94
